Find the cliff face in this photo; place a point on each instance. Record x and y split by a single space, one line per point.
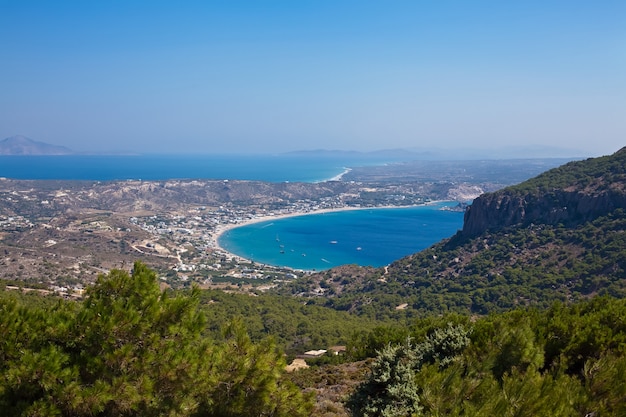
585 191
499 210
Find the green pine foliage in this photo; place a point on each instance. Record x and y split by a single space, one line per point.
392 388
131 350
295 324
588 173
565 361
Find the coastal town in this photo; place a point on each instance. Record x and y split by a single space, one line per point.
64 234
192 239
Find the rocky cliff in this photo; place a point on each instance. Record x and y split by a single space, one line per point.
574 193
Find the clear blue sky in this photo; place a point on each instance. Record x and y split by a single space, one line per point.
274 76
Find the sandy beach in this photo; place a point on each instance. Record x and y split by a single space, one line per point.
220 229
339 176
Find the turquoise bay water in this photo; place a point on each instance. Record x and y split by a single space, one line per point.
373 237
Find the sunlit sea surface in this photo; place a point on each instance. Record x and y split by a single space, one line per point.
374 237
163 167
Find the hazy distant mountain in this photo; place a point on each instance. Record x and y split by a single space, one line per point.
21 145
496 153
437 154
393 154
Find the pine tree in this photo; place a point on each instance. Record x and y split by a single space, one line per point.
131 350
393 387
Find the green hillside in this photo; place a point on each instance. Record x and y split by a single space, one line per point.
563 361
557 237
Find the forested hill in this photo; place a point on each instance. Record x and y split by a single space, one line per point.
571 194
559 236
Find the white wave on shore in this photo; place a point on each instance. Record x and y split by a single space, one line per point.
339 176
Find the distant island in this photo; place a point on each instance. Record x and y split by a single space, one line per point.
21 145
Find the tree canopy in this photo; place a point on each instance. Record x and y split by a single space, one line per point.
565 361
130 349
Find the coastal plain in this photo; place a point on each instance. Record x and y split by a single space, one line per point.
60 235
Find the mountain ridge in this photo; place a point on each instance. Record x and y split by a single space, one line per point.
587 189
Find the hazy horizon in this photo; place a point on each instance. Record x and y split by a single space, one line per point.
389 155
279 76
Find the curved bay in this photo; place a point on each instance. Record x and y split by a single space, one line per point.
367 237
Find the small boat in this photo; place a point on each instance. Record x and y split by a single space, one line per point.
359 248
333 242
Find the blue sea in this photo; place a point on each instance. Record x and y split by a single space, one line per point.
370 237
270 168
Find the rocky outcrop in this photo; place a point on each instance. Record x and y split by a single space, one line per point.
497 211
596 189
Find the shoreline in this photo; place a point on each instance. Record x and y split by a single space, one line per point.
220 229
339 176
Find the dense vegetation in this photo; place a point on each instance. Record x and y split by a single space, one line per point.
131 350
590 173
295 325
564 361
524 266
